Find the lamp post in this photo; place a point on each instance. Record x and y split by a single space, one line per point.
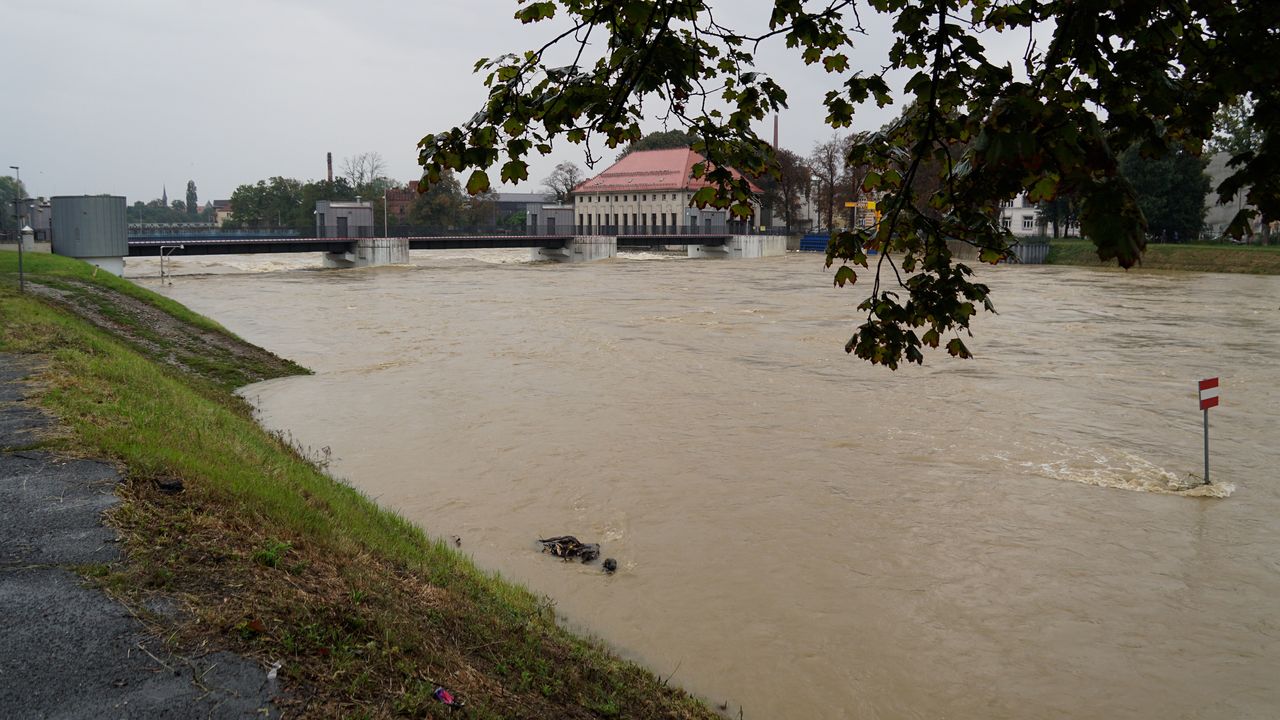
385 231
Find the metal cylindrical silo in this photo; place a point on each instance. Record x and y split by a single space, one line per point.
90 226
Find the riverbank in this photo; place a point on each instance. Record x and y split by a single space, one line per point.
1251 259
265 554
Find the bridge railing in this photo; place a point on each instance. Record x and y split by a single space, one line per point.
147 231
683 230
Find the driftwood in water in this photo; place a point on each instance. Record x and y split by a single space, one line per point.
568 546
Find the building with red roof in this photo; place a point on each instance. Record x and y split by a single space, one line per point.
648 192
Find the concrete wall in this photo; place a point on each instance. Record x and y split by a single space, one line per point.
580 249
371 252
742 247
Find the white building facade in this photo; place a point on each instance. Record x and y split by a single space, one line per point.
649 193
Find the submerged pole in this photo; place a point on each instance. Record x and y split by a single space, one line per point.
1206 446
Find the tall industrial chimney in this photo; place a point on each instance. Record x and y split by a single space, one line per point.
329 157
775 132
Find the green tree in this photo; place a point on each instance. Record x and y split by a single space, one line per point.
1234 128
1059 213
155 211
441 207
192 201
1171 190
10 190
1111 74
276 203
660 140
783 188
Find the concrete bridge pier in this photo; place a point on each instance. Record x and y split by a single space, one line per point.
370 252
742 247
580 249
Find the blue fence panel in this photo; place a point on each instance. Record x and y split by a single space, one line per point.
814 242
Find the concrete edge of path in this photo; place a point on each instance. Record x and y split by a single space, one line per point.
70 650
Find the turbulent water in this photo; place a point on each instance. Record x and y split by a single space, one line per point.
799 534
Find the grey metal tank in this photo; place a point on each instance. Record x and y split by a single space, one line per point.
93 228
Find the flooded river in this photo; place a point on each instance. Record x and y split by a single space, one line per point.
799 534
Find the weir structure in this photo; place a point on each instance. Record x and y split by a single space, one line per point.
373 251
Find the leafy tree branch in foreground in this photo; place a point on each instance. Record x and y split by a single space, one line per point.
1113 73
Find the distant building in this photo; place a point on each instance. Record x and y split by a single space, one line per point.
1218 217
344 219
221 211
1020 217
510 204
400 204
548 218
648 192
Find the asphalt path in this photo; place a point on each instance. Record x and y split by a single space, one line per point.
67 650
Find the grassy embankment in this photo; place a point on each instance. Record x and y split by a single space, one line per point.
264 553
1199 258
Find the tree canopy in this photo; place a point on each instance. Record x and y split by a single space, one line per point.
660 140
1171 190
563 179
10 189
1112 74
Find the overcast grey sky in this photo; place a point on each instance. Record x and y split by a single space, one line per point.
129 96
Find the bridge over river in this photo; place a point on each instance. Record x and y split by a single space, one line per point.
369 251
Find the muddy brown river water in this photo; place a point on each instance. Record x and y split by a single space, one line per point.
799 534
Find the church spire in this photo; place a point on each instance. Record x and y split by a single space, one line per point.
164 196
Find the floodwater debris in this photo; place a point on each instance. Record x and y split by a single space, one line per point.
568 546
610 565
447 698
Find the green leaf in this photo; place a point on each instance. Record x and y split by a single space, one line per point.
478 182
535 12
513 171
845 275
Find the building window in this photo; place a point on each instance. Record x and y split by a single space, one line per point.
633 219
653 219
1006 203
1028 222
1006 223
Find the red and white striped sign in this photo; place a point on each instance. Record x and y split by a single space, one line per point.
1208 393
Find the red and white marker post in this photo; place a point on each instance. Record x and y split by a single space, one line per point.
1208 399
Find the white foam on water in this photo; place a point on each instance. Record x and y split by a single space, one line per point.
1120 470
